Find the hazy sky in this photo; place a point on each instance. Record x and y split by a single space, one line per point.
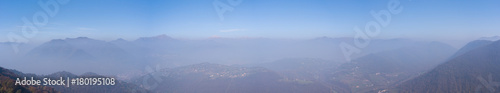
130 19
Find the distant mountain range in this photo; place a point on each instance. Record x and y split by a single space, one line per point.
269 65
76 54
112 57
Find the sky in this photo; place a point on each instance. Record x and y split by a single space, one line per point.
448 20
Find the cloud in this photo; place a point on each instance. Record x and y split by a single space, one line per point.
231 30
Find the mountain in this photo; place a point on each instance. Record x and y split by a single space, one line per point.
81 47
98 48
475 71
58 49
123 56
383 69
216 78
7 84
78 54
158 44
470 46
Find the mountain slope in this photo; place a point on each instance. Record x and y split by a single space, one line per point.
383 69
475 71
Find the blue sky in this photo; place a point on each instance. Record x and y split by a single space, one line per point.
130 19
